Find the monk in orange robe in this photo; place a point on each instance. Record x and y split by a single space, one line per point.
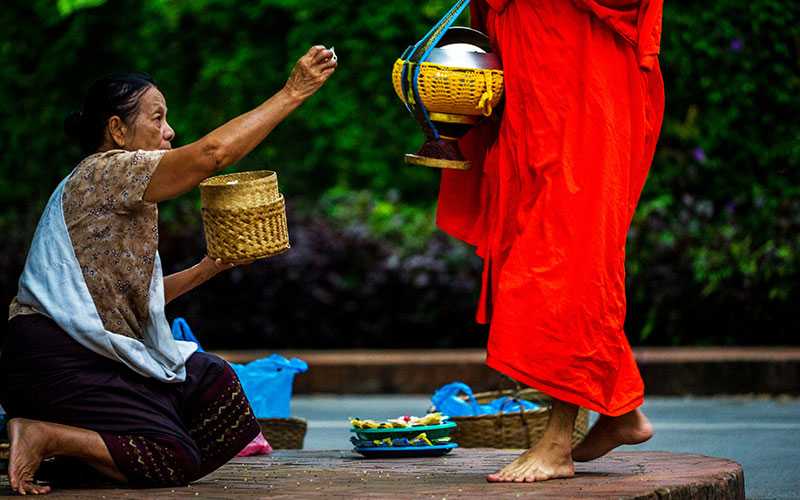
548 204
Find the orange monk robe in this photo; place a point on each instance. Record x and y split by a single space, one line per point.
551 193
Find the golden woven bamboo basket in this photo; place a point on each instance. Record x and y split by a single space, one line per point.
513 429
454 91
239 190
284 433
244 216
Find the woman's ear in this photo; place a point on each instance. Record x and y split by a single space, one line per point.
117 130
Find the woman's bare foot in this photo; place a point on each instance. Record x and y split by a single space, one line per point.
546 460
33 440
30 440
610 432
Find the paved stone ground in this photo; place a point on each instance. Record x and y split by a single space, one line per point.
761 434
341 474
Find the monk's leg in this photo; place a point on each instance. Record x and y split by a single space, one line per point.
551 457
610 432
32 441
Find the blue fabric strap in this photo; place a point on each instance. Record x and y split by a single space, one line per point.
418 54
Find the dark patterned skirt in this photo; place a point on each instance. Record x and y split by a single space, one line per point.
159 434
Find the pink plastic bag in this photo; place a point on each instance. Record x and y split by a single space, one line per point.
258 446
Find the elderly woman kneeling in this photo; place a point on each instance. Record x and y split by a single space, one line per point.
90 370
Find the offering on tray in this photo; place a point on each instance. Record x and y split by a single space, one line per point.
399 423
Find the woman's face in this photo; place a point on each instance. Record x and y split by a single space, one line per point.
150 129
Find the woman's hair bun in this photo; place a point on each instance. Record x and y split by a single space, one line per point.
73 124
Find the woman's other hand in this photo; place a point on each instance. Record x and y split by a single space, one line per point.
181 282
311 72
212 267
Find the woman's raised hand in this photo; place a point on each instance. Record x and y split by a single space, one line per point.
183 168
311 72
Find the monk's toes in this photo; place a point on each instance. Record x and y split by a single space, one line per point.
500 477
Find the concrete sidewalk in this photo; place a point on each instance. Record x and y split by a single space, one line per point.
666 371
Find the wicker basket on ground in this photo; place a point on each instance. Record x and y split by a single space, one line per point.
284 433
244 216
512 429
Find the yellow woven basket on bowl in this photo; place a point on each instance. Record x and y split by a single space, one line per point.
244 216
451 90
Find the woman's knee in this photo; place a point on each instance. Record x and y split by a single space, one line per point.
202 364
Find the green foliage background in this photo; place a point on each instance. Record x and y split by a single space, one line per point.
714 253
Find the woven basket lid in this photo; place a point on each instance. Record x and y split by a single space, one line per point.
240 190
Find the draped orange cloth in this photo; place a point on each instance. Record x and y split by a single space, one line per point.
552 190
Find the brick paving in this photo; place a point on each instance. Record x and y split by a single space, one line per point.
329 474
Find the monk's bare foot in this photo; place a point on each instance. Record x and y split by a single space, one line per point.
29 446
546 460
610 432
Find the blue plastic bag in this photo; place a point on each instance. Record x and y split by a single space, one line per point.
447 400
267 382
181 331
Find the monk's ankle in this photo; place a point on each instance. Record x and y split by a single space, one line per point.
555 445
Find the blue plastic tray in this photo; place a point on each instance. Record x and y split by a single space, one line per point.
406 451
432 431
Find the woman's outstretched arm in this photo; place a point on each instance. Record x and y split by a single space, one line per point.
181 169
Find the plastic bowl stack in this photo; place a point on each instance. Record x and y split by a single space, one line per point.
428 436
